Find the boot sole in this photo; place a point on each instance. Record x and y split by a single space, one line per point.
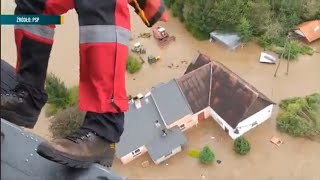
51 154
17 119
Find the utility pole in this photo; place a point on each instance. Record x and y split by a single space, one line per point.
282 54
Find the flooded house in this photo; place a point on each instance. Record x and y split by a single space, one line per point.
156 121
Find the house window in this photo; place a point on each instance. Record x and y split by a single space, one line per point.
255 123
136 152
182 126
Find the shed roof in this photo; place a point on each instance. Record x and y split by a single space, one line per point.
231 40
310 30
170 102
230 96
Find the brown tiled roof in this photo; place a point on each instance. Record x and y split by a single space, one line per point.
310 29
230 96
195 86
198 62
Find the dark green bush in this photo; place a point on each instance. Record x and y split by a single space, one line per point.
133 65
66 122
241 146
58 94
206 156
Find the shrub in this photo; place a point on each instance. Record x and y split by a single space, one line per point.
241 146
206 156
194 153
244 30
300 116
58 94
133 65
74 96
66 122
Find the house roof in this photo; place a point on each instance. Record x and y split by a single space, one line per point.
230 96
170 102
140 129
310 30
165 144
195 85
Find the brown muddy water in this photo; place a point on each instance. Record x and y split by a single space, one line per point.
295 159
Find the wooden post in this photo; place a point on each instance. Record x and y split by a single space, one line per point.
288 59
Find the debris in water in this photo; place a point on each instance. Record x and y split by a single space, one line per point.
276 141
219 162
134 79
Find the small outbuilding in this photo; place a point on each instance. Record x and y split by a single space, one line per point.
309 31
230 40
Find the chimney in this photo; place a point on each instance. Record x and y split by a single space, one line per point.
164 132
158 124
137 103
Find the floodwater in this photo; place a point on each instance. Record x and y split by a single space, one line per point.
296 158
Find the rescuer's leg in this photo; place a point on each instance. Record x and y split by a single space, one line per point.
104 36
23 104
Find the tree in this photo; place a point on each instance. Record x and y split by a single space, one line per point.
289 13
311 8
177 9
206 156
241 146
227 14
169 3
244 30
199 17
260 16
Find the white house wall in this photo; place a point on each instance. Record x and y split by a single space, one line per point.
219 120
187 121
163 158
129 157
246 124
253 121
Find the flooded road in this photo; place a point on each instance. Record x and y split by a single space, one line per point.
297 158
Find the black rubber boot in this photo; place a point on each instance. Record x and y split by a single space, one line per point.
22 105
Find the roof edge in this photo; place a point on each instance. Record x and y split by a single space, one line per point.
184 97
